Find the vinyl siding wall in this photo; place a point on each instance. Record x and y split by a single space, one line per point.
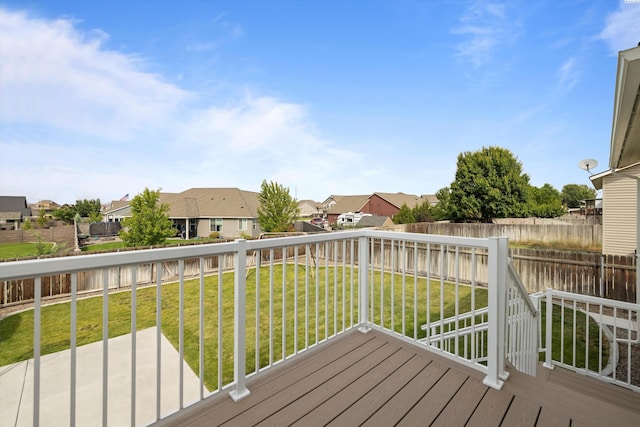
619 213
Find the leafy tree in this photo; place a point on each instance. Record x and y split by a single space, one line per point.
404 216
489 184
572 194
87 208
65 213
442 211
42 218
149 223
422 213
546 202
277 210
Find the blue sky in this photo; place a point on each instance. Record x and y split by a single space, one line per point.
101 99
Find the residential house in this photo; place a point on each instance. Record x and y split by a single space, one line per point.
620 184
199 212
116 211
309 208
48 206
380 204
13 210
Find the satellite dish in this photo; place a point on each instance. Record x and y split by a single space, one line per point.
587 164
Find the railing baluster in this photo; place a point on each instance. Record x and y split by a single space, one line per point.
181 333
258 256
271 276
37 325
105 345
307 255
221 260
159 272
201 330
295 299
284 303
72 347
134 306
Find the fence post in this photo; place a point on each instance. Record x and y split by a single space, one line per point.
548 363
240 390
363 284
497 266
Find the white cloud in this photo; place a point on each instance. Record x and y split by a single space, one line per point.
80 121
484 27
56 75
568 75
622 30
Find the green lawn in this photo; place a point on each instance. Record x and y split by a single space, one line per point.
109 246
562 350
18 250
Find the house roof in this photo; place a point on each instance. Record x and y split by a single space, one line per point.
212 203
625 133
399 199
349 203
374 221
15 204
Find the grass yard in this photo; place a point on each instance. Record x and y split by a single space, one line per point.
18 250
109 246
575 322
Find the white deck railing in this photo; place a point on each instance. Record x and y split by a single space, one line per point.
265 301
599 336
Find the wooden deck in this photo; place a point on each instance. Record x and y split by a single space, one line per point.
376 379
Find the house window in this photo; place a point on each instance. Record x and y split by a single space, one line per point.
216 225
254 223
242 223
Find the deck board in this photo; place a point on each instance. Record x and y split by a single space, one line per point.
376 379
369 403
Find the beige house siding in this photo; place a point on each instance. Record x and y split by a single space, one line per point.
230 228
619 212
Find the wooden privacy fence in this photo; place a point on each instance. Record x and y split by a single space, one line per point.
585 273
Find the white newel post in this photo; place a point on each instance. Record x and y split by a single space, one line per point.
497 266
240 390
363 284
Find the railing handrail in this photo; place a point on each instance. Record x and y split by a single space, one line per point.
595 300
521 289
452 319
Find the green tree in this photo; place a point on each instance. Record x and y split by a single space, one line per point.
42 218
572 194
277 210
545 202
65 213
489 184
422 213
404 216
442 210
149 223
87 208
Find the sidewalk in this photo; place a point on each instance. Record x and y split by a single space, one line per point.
16 384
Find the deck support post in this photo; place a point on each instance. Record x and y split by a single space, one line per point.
498 258
363 284
240 390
